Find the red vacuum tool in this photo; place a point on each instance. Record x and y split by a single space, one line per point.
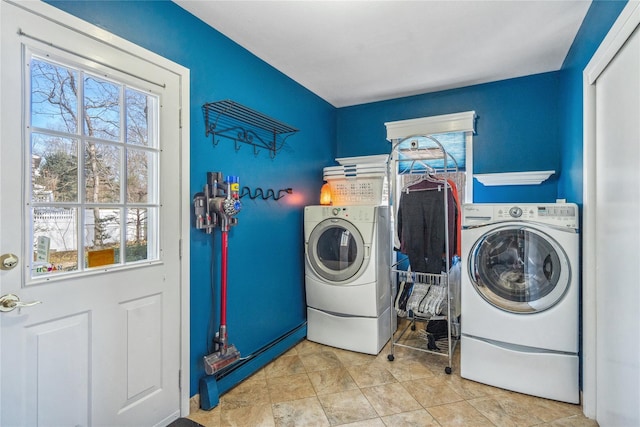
217 207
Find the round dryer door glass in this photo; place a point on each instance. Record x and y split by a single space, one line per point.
336 250
519 269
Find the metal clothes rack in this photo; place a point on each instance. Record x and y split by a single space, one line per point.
409 159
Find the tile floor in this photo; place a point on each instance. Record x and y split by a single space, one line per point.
318 385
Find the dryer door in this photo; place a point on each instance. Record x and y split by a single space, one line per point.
519 269
336 250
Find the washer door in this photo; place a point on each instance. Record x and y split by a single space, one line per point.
519 269
336 250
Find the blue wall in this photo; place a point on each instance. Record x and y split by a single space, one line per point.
599 19
529 123
524 124
266 277
517 130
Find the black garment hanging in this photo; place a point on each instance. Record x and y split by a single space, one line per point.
421 224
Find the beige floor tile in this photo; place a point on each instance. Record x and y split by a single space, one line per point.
543 409
306 346
320 361
375 422
303 412
314 384
431 392
260 375
206 418
370 375
505 412
350 358
390 399
419 418
460 414
248 393
255 416
347 407
469 389
291 352
285 365
290 387
406 370
332 381
574 421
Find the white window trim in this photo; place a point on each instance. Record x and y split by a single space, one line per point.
456 122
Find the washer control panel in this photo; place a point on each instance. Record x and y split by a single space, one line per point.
558 214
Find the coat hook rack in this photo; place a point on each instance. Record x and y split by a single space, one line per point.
231 120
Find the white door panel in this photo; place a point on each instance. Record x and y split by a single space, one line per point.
617 158
104 346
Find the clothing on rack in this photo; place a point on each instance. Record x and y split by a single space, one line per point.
421 224
458 239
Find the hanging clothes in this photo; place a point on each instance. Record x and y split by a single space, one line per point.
458 230
421 224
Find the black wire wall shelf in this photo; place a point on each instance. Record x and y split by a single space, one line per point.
231 120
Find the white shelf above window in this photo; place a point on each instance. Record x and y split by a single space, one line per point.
513 178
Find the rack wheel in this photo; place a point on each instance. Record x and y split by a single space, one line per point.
447 370
390 357
413 327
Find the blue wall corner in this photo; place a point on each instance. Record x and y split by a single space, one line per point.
595 26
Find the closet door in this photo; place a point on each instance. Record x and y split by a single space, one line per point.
617 237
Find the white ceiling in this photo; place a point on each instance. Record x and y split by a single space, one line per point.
355 52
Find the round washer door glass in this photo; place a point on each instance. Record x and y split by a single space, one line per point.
336 250
519 269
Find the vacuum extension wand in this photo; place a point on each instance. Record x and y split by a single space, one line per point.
217 207
222 338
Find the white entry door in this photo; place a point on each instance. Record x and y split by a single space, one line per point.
90 230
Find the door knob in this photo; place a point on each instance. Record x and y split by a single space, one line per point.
10 302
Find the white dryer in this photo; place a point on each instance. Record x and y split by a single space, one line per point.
347 260
520 298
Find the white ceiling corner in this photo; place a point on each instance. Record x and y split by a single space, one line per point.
355 52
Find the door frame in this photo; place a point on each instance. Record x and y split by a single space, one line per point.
66 20
624 26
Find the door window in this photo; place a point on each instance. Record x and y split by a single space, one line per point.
519 269
93 161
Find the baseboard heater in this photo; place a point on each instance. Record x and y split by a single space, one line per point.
212 386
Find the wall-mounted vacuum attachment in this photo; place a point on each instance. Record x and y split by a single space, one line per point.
216 206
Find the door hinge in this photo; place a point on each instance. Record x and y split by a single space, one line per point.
180 248
180 118
180 378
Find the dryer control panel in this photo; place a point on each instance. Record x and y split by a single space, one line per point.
352 213
563 215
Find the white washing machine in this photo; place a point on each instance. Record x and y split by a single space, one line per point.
347 260
520 298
